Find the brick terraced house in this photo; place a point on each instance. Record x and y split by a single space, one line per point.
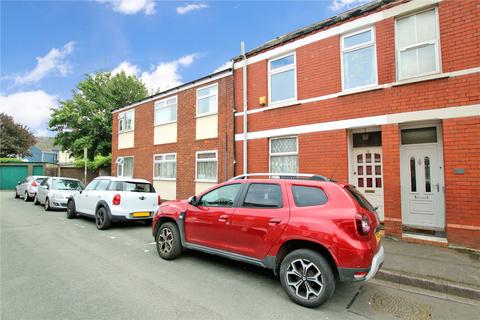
385 96
181 138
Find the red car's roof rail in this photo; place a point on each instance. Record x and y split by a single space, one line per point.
290 176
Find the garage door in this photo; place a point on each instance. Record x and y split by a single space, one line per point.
38 171
10 175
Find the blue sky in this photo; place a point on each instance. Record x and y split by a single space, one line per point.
48 46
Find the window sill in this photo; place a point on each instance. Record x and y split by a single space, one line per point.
282 105
360 90
164 179
421 79
206 114
126 131
206 181
162 124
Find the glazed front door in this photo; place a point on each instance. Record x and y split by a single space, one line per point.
422 189
368 177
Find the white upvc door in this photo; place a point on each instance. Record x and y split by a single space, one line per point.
367 168
422 187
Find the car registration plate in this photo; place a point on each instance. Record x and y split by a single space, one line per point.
378 236
140 214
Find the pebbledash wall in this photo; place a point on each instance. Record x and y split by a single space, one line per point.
194 120
386 97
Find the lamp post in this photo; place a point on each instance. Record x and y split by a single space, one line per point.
85 158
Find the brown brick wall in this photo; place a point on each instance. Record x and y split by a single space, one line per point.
186 144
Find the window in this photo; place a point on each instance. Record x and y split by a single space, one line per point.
221 197
126 121
102 185
125 167
263 195
284 155
359 198
308 196
91 185
282 79
67 184
359 65
165 166
419 135
207 166
207 100
166 111
417 44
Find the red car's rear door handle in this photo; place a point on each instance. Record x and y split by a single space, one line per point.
274 221
223 218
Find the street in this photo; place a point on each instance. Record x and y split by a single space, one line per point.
54 268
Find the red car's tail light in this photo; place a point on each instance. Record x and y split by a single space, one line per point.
363 224
159 200
34 183
116 199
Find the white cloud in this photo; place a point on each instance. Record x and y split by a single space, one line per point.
191 7
53 62
161 77
224 66
127 67
131 7
338 5
31 108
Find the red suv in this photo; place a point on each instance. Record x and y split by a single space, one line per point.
309 230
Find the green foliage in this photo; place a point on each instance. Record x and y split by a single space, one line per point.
85 120
15 138
98 162
10 160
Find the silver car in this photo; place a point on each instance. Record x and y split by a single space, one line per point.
54 192
27 188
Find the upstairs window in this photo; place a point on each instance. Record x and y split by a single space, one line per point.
206 166
417 44
359 65
125 167
284 155
165 166
126 121
166 111
282 79
207 100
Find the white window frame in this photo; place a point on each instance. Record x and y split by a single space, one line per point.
206 160
343 51
160 161
120 164
280 154
207 96
435 42
122 119
279 70
166 106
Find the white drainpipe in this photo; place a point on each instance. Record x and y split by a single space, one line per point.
245 107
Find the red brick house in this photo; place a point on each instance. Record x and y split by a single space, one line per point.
385 96
181 138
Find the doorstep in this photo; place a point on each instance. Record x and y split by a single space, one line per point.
449 271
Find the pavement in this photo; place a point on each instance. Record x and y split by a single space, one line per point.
55 268
452 272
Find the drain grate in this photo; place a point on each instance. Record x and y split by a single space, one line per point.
400 307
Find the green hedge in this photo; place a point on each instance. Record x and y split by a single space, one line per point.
98 162
10 160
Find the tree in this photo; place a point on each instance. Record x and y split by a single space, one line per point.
15 138
85 120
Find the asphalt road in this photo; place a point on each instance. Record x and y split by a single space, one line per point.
54 268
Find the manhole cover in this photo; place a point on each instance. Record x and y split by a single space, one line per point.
400 307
